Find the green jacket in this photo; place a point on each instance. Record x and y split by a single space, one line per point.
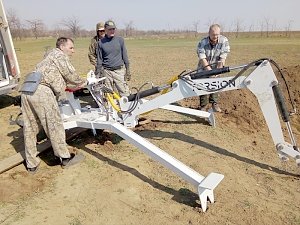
93 50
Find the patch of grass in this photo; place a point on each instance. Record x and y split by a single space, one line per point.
157 60
92 164
120 190
75 221
16 216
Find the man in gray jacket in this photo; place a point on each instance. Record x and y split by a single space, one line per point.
112 61
212 52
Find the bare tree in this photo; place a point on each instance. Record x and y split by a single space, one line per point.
36 26
14 24
129 29
261 27
268 25
210 22
230 28
251 28
196 26
237 27
274 25
73 25
287 28
59 31
223 26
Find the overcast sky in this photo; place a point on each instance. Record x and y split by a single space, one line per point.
160 14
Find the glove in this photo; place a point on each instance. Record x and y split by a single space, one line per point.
127 75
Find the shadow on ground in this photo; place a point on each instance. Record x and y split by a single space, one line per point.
7 100
183 196
185 138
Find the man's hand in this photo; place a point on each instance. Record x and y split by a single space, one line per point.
127 75
83 85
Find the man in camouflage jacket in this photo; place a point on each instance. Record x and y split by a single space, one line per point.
100 30
40 109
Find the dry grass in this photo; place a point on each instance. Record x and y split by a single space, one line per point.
122 185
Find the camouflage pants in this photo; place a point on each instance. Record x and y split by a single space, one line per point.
205 99
115 80
41 110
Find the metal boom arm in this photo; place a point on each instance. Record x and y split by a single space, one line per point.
262 82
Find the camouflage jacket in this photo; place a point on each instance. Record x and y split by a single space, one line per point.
57 72
93 51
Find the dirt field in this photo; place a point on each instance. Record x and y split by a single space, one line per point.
118 184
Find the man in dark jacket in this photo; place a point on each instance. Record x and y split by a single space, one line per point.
112 60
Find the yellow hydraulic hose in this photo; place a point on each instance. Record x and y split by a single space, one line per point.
170 82
110 98
116 96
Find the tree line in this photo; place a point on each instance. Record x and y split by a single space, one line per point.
36 28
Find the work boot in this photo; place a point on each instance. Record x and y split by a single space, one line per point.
74 159
33 170
216 107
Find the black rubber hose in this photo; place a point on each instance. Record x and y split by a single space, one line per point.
209 73
145 93
281 103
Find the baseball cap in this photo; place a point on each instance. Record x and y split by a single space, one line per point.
109 24
100 26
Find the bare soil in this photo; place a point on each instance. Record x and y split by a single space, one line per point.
118 184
